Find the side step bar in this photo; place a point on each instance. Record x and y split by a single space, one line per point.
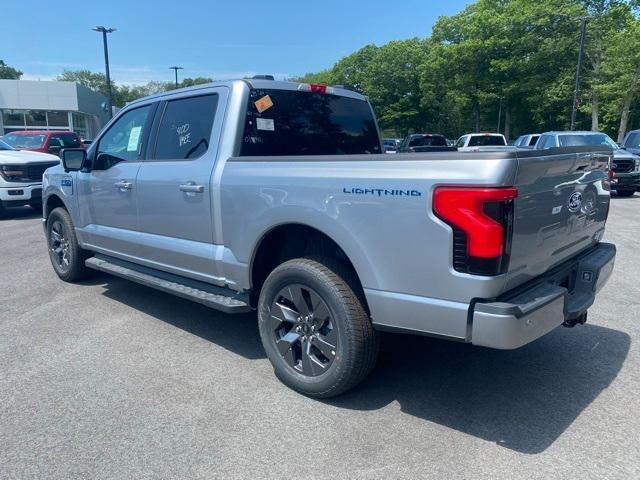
219 298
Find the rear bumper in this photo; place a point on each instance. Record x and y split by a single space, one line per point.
530 311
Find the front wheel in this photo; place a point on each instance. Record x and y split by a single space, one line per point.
315 329
65 254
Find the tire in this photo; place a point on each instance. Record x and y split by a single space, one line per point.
67 258
2 210
625 193
315 329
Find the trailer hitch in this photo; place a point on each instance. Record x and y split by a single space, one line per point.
572 322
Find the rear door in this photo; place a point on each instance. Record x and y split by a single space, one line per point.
174 185
107 195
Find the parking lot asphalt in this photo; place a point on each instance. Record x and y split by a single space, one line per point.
108 379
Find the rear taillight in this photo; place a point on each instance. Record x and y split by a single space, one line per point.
482 223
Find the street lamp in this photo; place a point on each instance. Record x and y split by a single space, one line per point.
175 69
104 31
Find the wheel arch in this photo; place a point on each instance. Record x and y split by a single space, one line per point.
295 239
53 201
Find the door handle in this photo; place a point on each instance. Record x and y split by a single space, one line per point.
191 188
123 185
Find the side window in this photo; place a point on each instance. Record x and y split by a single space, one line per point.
632 140
55 142
65 141
544 142
461 141
123 141
185 128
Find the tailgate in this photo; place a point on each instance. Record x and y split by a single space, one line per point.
561 208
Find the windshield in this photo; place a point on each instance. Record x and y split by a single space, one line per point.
428 141
486 141
34 140
586 140
5 146
633 140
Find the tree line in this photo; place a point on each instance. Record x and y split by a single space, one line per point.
121 93
511 62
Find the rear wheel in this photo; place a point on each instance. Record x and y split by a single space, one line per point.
66 255
625 193
315 329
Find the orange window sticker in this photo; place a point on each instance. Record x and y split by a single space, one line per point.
264 103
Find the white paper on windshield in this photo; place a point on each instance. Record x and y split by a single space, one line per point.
134 137
265 124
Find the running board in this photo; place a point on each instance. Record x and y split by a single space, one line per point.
219 298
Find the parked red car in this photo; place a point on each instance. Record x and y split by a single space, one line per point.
46 141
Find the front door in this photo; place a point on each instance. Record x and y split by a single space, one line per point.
107 195
174 186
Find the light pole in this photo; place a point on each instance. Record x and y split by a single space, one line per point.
576 90
104 31
175 68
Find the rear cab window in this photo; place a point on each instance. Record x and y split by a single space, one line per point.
486 141
290 122
428 141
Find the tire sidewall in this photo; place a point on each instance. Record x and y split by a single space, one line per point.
70 273
306 275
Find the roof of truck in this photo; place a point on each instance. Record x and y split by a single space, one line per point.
259 83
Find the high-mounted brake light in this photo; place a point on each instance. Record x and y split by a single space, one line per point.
318 88
482 220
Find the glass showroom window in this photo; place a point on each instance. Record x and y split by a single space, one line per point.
58 119
13 118
80 125
36 118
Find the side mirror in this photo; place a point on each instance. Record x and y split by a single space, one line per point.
73 159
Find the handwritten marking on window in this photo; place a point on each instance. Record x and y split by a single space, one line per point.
184 136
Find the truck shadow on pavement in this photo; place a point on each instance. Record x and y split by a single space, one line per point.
522 399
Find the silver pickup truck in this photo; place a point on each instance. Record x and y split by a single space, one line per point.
277 196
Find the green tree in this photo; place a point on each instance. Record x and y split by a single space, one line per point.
94 81
9 73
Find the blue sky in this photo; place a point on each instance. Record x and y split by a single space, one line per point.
217 39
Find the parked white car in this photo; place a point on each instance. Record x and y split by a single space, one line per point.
21 176
475 142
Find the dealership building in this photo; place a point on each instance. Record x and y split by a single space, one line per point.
49 105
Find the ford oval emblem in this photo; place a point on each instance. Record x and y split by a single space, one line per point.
575 200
